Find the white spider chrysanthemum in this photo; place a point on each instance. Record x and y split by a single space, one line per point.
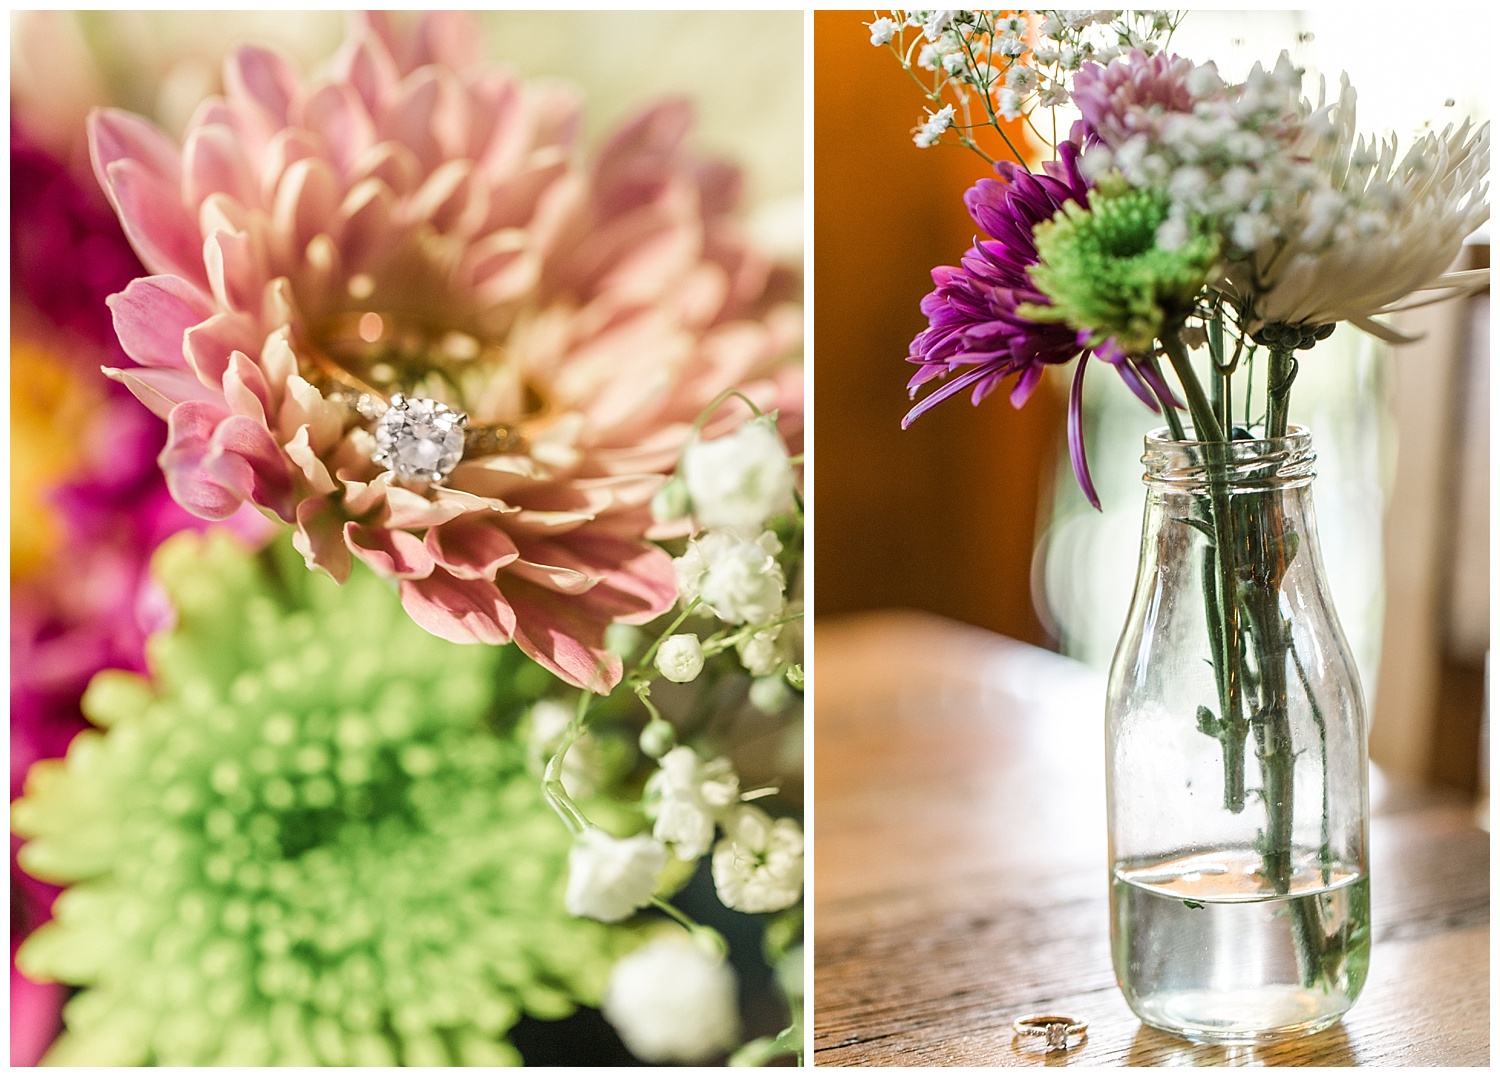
1382 228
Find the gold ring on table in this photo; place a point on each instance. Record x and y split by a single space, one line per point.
1055 1028
416 438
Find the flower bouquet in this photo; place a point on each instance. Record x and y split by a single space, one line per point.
1183 211
480 704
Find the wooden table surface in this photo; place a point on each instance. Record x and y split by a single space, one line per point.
960 873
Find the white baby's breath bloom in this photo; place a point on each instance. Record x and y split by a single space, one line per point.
762 654
932 130
1008 102
609 878
1012 24
671 1002
1010 45
1172 233
1069 58
1204 81
936 24
1052 25
881 31
1047 56
757 864
671 502
583 767
745 478
685 797
657 738
770 695
984 75
738 580
1249 230
1021 78
680 658
1053 94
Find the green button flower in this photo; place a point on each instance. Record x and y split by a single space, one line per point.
301 841
1109 274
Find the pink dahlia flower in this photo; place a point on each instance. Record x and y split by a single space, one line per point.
422 222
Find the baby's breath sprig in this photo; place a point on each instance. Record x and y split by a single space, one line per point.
736 496
995 69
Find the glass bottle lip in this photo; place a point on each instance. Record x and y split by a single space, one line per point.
1246 465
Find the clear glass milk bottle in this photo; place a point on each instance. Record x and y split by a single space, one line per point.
1236 755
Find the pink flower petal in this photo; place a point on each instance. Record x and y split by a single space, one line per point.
452 200
369 229
209 344
363 498
122 136
244 458
245 389
460 611
152 314
234 272
407 509
277 359
562 637
260 79
307 201
157 224
286 148
335 112
472 547
214 163
190 427
319 538
638 159
501 132
162 390
398 555
371 71
563 581
408 119
450 38
634 580
304 409
314 470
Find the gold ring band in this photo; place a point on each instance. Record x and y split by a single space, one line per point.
1055 1028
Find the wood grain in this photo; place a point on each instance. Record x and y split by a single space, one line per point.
960 874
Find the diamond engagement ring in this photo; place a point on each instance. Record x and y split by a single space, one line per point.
1056 1028
417 439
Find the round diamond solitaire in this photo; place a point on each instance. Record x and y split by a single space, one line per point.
419 439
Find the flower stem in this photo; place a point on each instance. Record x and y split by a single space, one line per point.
1280 374
1220 587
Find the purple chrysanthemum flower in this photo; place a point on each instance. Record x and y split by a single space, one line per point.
976 338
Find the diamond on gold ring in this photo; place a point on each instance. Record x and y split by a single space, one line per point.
419 439
1055 1028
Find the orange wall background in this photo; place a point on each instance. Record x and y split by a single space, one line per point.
942 516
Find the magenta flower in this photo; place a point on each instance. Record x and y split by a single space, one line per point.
593 310
976 336
92 605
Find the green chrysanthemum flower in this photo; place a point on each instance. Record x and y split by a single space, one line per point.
1107 274
300 842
